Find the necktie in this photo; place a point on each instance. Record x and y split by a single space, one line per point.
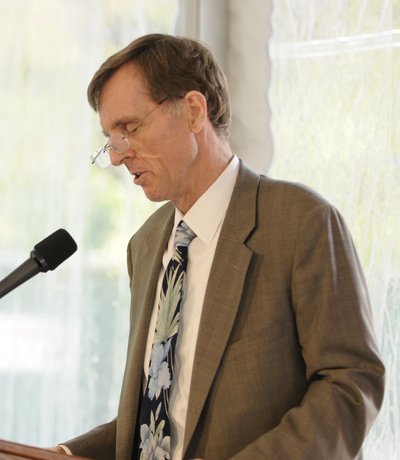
155 429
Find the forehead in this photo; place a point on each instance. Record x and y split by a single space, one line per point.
124 95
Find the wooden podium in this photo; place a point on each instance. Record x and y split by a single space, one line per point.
13 451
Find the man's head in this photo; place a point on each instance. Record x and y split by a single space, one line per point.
163 107
172 66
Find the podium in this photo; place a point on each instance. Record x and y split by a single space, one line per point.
13 451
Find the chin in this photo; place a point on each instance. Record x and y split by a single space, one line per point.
153 196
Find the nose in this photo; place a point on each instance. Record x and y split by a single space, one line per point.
118 159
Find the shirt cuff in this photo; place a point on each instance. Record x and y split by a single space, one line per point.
65 448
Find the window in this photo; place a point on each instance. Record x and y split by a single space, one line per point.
63 334
335 115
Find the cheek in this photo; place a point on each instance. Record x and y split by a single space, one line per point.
173 146
176 153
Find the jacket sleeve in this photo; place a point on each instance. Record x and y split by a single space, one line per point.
343 368
98 443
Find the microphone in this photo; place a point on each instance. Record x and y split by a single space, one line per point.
46 255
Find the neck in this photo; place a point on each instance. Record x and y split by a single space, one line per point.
211 164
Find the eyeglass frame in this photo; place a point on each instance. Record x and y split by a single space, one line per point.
106 148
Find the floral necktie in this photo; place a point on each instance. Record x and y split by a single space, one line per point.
155 429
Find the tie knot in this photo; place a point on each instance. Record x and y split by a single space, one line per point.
183 235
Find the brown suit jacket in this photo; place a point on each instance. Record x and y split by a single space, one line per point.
286 364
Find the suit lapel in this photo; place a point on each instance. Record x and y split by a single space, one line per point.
147 269
223 294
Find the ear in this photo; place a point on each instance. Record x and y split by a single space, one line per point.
197 113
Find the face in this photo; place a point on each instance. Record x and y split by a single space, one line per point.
163 157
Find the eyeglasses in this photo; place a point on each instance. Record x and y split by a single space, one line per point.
118 142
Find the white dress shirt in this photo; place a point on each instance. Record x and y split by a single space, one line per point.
205 218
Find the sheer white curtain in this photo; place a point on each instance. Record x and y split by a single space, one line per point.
335 121
63 334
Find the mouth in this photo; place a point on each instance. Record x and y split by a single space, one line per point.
137 176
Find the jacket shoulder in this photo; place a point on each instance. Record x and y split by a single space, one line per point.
289 193
287 205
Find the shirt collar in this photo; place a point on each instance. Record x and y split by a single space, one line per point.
207 214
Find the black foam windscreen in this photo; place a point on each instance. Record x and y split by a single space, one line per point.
54 249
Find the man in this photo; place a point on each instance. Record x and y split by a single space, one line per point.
275 356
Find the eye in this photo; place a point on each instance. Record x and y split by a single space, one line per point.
131 127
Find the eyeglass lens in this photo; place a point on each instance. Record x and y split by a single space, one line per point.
101 158
118 142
